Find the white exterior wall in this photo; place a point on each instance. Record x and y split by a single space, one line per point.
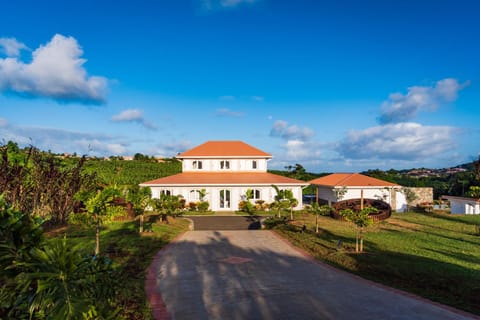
458 206
267 194
236 165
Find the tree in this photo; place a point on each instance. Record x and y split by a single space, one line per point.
317 210
168 205
140 198
360 219
97 206
284 199
474 192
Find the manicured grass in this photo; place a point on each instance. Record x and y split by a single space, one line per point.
131 254
436 256
197 213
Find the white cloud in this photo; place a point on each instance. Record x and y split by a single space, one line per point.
11 47
133 115
258 98
60 141
281 129
172 148
56 71
402 108
224 112
400 141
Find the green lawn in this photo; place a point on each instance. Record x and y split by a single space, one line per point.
131 254
436 256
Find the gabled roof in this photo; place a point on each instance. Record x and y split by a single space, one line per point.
224 178
350 180
224 149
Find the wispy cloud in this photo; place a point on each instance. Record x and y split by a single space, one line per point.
285 131
11 47
56 71
133 115
226 98
258 98
399 141
404 107
59 141
224 4
225 112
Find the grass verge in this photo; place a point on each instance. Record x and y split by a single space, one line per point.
436 256
131 254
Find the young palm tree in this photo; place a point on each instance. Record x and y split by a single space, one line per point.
317 210
97 206
140 198
360 219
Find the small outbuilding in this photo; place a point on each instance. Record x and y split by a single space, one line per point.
344 186
462 205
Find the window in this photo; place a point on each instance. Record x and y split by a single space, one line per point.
194 195
254 164
197 165
224 164
224 199
256 194
166 192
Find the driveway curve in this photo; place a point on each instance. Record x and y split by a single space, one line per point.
257 275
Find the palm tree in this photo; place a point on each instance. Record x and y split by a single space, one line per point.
97 206
317 210
360 219
140 198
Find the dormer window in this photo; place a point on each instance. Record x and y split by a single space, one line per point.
254 164
197 165
224 164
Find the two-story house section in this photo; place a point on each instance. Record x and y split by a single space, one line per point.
226 170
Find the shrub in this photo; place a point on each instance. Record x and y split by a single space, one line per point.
203 206
246 206
192 206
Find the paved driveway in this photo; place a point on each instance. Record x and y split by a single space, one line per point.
256 275
225 222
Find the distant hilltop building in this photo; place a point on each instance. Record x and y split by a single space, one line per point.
225 170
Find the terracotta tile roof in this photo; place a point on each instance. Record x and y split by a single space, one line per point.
350 180
224 149
224 178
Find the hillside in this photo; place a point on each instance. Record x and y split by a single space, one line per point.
123 172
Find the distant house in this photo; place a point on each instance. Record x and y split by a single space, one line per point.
343 186
462 205
226 170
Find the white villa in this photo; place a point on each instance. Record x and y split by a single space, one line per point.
343 186
226 170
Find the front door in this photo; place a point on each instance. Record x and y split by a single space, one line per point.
225 199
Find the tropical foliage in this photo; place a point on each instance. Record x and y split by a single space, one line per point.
49 279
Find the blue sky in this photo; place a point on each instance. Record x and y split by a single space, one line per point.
338 86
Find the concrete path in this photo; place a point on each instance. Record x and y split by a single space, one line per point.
257 275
